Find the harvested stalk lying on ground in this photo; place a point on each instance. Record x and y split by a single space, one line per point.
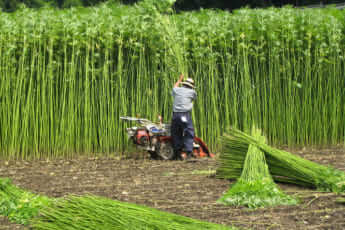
255 188
283 166
96 213
340 200
17 204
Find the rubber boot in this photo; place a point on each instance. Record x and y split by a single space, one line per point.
189 155
177 155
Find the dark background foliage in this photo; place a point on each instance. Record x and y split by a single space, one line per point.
234 4
11 5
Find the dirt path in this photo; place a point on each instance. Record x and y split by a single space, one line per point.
184 188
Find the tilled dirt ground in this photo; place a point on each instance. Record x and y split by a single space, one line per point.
185 188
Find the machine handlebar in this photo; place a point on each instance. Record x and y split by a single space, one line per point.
139 120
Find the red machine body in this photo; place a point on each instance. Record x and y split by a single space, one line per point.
156 139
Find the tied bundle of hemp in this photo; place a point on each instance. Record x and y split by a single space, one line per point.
255 188
97 213
283 166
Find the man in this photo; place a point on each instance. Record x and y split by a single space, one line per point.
182 130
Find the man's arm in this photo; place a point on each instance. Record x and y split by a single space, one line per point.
179 81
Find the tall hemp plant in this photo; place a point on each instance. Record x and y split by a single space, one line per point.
68 75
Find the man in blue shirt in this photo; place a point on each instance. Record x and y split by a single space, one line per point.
182 130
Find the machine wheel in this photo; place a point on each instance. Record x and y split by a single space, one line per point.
164 150
154 155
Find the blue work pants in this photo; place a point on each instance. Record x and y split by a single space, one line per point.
182 131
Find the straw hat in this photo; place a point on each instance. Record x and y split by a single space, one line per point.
189 82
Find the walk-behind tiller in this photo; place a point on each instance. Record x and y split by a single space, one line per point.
156 139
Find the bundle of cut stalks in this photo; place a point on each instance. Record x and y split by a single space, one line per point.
96 213
88 212
17 204
255 188
283 166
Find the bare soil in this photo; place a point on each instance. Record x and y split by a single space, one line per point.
185 188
